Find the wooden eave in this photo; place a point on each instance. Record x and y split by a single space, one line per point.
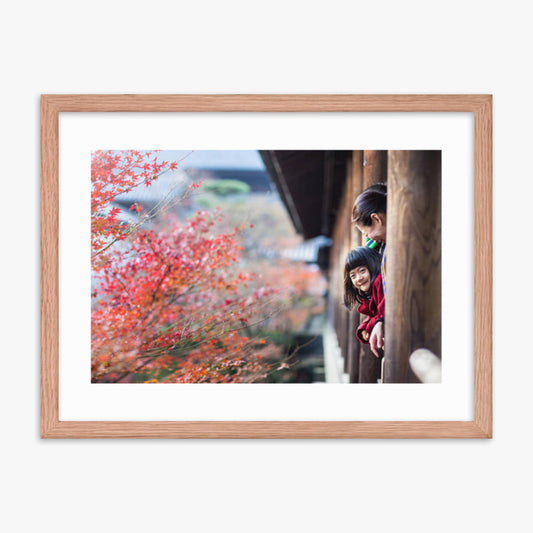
310 185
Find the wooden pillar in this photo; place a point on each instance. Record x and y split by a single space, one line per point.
337 312
413 267
354 188
335 283
374 171
345 248
345 315
375 167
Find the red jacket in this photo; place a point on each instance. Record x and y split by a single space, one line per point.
374 308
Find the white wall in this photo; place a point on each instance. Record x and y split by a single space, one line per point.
246 47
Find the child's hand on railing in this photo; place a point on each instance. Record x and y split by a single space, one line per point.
376 338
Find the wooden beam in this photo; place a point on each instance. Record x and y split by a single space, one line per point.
413 264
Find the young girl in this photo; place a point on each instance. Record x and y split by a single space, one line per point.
362 285
369 215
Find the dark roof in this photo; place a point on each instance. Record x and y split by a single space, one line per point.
310 184
257 179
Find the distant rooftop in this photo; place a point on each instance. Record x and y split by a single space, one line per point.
220 159
201 165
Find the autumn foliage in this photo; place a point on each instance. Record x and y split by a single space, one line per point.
171 306
112 174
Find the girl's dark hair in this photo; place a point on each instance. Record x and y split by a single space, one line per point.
372 200
361 256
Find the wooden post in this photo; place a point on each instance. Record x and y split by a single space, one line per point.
375 167
336 310
354 188
345 248
374 171
413 264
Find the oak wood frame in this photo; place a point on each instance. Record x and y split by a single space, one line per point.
479 105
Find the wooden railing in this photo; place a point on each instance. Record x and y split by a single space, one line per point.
413 299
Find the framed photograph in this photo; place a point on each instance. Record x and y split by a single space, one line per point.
266 266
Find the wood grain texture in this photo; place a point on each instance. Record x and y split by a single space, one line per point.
287 103
354 188
413 297
374 171
52 105
49 267
266 430
353 176
483 266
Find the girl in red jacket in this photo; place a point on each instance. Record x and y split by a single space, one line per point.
363 286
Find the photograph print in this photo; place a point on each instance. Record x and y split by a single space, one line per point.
265 266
